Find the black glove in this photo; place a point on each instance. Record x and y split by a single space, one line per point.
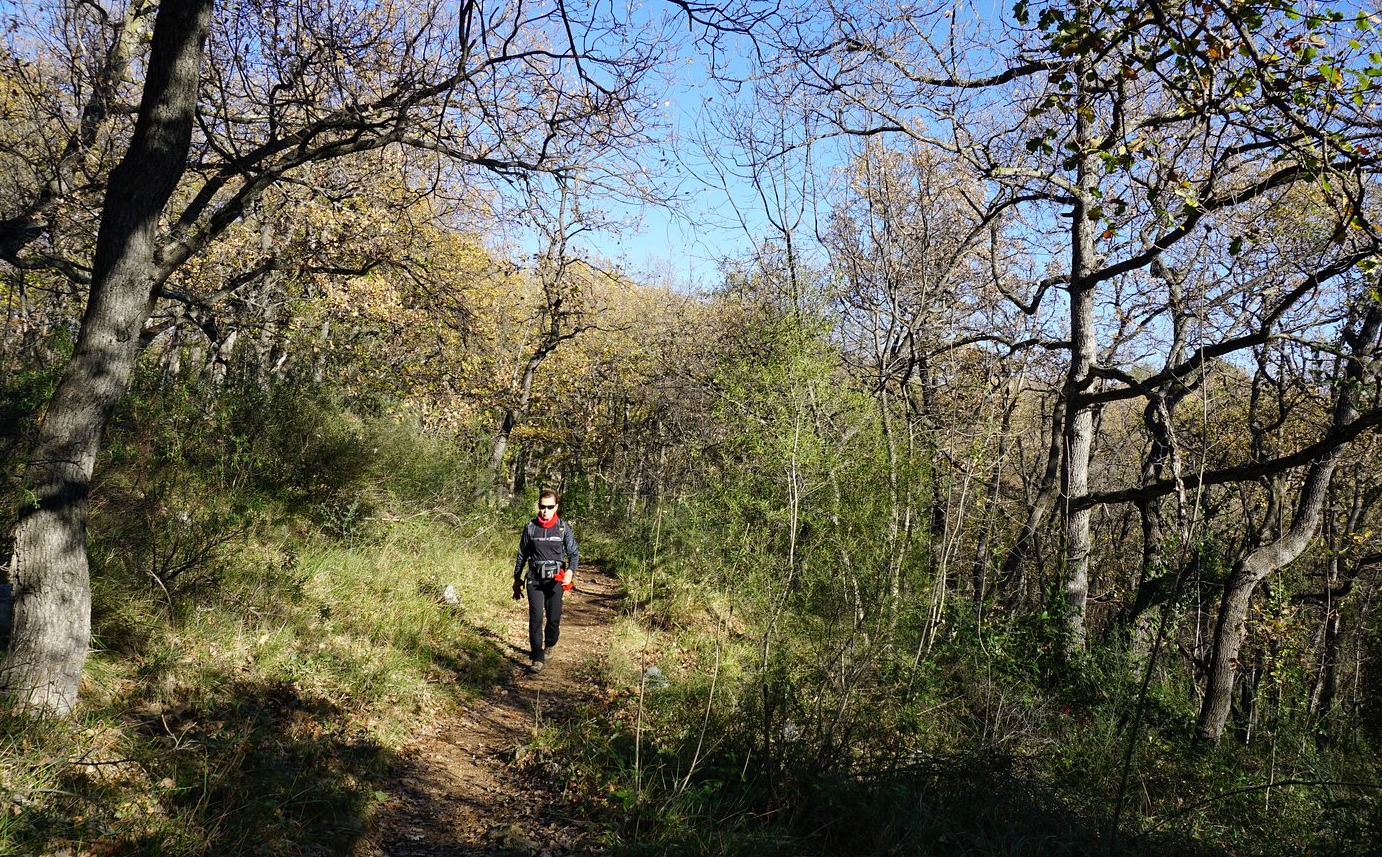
517 590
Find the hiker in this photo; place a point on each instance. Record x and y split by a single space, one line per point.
541 547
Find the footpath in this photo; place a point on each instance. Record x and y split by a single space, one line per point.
462 786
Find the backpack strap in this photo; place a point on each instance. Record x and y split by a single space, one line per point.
532 531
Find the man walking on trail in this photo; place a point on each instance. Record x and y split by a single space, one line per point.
546 539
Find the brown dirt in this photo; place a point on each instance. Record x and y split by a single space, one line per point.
458 788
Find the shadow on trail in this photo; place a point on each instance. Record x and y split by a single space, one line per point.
270 771
261 768
479 784
232 764
572 672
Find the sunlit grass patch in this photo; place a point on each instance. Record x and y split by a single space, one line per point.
261 715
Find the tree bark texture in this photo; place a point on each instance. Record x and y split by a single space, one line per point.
52 618
1079 426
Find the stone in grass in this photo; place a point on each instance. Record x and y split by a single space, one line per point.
653 679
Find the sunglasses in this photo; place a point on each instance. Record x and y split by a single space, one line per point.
545 506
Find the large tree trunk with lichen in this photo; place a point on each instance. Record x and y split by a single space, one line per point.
52 594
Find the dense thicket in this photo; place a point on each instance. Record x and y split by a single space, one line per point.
865 674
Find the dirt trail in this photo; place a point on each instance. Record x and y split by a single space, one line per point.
457 791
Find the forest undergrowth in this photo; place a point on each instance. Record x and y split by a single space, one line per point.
272 610
982 740
260 715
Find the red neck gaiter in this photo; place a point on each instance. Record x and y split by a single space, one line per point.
548 525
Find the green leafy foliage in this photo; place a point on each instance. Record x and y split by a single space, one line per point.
830 692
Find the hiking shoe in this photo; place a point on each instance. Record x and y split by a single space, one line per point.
537 666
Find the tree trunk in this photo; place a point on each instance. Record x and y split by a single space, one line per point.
1326 684
1157 583
1338 584
500 447
1247 703
52 610
983 558
1012 576
1079 427
1251 570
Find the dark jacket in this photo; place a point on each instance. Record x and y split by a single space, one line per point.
540 545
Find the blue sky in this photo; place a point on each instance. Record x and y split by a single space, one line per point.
712 215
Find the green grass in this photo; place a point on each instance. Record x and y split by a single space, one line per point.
263 716
254 702
975 747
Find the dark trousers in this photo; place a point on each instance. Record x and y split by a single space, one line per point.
543 598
